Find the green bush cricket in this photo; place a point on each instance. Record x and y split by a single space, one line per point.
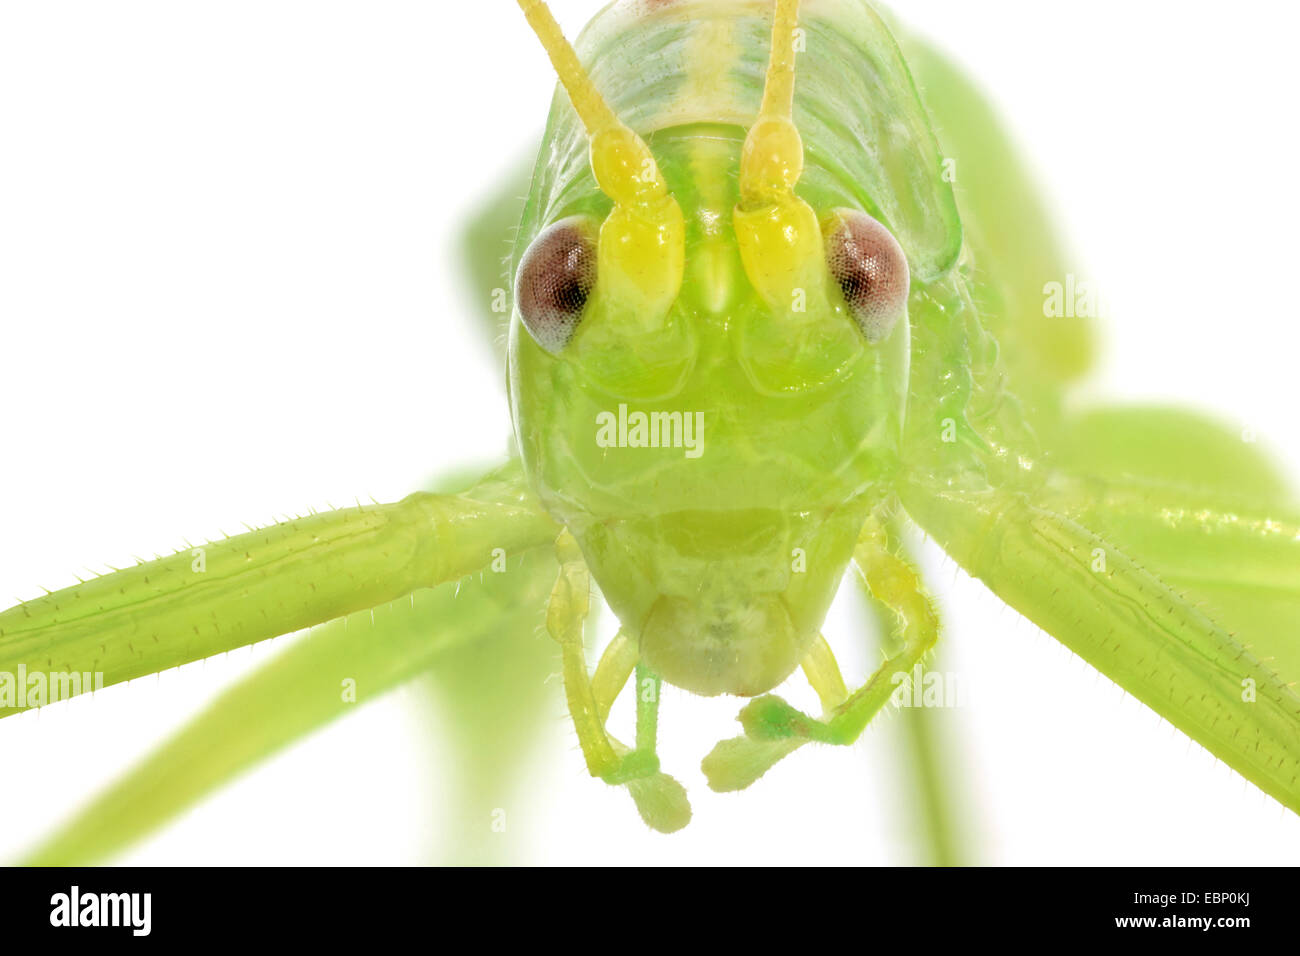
972 459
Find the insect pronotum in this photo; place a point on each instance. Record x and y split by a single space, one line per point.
785 336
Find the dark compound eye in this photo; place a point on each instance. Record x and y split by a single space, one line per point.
869 265
554 280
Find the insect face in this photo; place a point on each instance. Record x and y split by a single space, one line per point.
716 466
708 372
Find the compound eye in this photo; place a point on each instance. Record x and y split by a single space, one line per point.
868 264
555 278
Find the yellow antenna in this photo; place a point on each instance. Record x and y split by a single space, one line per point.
778 234
778 88
772 160
643 240
623 164
592 109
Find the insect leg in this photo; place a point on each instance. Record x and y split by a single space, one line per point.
894 583
335 669
1104 603
659 798
564 619
823 672
927 778
736 763
295 574
612 672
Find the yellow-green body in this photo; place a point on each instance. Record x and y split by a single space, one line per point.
1151 542
723 561
694 554
724 556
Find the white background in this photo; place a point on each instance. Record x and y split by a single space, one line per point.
230 288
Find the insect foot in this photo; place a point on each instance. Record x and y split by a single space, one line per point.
736 763
773 730
770 718
659 798
633 766
661 801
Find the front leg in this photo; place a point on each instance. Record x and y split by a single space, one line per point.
660 799
896 585
774 729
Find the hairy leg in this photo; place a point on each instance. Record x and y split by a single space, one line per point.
659 798
1067 558
774 729
895 583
